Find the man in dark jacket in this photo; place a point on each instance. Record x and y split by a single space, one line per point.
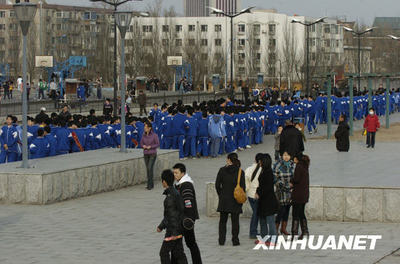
172 222
342 135
142 100
186 189
291 140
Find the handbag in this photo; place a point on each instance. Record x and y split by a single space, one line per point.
364 132
239 194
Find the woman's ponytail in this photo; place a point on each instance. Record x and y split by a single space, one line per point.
234 158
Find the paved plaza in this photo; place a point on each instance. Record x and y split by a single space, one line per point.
120 227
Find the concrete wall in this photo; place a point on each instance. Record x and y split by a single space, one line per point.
347 204
91 177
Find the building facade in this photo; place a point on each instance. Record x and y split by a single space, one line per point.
199 8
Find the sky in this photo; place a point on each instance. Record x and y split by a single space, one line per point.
362 11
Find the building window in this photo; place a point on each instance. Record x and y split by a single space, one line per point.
178 28
204 28
2 41
258 42
258 56
204 42
218 42
148 28
272 58
242 56
242 28
327 29
165 28
328 43
192 28
178 42
218 28
147 42
313 56
272 29
192 42
272 43
12 14
313 28
271 71
335 29
13 27
165 42
242 42
3 26
2 13
242 70
337 43
87 27
204 56
256 29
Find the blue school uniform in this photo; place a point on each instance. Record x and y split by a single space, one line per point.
39 148
191 126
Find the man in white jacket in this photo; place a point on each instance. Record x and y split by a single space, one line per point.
252 173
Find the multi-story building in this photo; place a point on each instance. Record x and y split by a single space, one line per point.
59 31
199 8
264 42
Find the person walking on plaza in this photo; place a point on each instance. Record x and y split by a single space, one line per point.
300 184
9 142
251 175
142 100
42 88
216 130
371 124
186 189
283 173
172 222
149 143
267 202
342 135
225 184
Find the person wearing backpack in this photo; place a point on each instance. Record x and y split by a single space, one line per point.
226 185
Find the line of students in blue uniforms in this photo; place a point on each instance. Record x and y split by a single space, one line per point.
192 130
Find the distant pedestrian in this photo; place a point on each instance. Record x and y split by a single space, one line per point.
371 124
172 222
142 100
300 184
185 187
149 143
42 88
342 135
107 108
278 142
225 184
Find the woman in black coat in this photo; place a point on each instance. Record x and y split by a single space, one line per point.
342 135
268 204
225 186
300 185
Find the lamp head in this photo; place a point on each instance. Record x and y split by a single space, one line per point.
25 13
320 20
247 10
394 37
123 20
348 29
216 11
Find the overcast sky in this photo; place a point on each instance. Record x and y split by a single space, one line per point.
362 11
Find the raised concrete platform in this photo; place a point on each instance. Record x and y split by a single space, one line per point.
76 175
346 204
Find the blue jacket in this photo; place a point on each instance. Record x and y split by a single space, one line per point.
39 148
203 128
179 124
32 133
64 140
9 136
191 125
216 128
53 144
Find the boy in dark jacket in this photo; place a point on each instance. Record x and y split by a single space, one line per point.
342 135
185 187
172 222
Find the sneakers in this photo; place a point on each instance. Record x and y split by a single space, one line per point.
310 132
248 147
315 130
241 149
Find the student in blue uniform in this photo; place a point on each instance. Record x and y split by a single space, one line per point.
8 139
191 127
63 137
179 131
78 137
52 141
202 135
311 115
40 146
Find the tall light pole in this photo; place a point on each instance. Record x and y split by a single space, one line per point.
25 13
359 34
308 25
123 20
115 4
216 11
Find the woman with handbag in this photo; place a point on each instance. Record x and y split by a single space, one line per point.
229 179
268 204
149 143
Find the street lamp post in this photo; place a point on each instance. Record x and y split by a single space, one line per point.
308 25
216 11
123 20
115 4
25 13
359 34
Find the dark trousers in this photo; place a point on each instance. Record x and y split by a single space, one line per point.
142 109
175 248
283 214
371 139
223 219
190 240
298 212
41 94
150 160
